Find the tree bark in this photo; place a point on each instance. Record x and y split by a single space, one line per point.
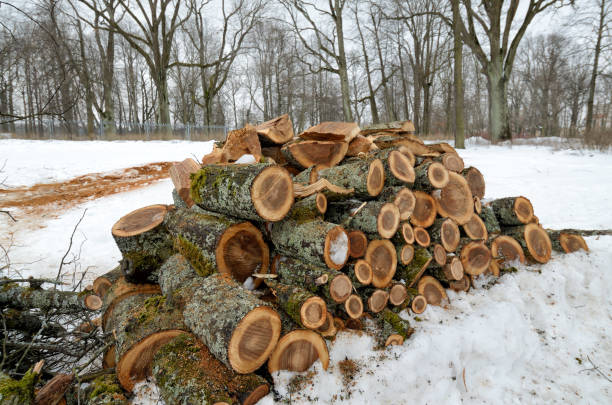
305 308
66 302
367 178
411 272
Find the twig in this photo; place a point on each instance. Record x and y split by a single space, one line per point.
32 280
595 368
59 271
9 214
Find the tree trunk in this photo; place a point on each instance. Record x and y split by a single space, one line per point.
66 302
592 83
499 126
458 78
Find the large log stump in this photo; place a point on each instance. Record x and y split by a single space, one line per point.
512 211
534 240
255 192
366 177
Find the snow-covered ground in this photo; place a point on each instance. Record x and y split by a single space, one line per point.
542 335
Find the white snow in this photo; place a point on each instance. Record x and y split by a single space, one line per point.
249 283
527 339
246 159
338 249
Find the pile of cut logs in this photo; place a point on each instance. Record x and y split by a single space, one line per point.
274 244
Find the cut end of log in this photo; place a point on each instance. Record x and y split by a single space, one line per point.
461 285
475 228
298 350
353 306
455 200
418 304
424 213
523 209
241 251
272 193
401 167
506 249
450 235
336 248
405 202
439 254
421 236
477 205
329 326
388 220
394 340
538 243
321 202
382 257
475 181
454 269
432 290
572 242
254 339
438 175
255 395
406 254
453 162
363 272
93 302
375 182
278 130
101 286
398 294
407 232
312 153
313 312
140 221
340 288
358 243
378 301
475 258
408 153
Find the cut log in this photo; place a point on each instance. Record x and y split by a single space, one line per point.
448 272
424 213
177 200
377 300
102 284
298 350
451 161
411 272
119 291
305 309
53 391
430 176
358 243
475 256
373 217
446 232
392 127
239 142
405 253
397 294
534 240
255 192
214 157
360 273
358 145
144 242
433 291
439 254
216 243
477 205
382 257
455 200
490 220
317 242
475 228
405 234
308 176
365 177
475 181
566 242
278 130
461 285
421 236
442 147
512 211
505 249
309 208
403 198
180 174
304 154
392 329
60 302
398 167
353 306
408 153
416 147
238 328
274 153
328 329
331 131
418 304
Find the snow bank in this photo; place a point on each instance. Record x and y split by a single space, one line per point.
338 249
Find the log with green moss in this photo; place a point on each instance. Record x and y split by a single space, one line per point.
399 170
19 392
360 273
375 217
403 198
15 296
119 291
106 390
366 177
178 279
187 373
259 192
144 242
566 242
391 329
430 176
533 239
412 271
103 283
512 211
317 242
305 308
216 243
239 329
490 220
308 208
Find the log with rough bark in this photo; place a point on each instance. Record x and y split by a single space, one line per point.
277 131
398 167
512 211
433 291
308 176
411 272
53 391
328 329
143 240
392 127
317 242
303 154
442 147
375 217
475 228
119 291
421 236
102 284
216 243
490 220
360 273
187 373
455 200
448 272
15 296
461 285
305 308
397 294
353 306
358 243
214 157
534 240
180 174
331 131
424 213
430 176
566 242
405 234
177 200
241 142
255 192
382 257
19 392
451 161
365 177
416 147
475 181
298 350
360 144
475 256
505 249
309 208
405 253
402 197
392 329
376 299
438 253
446 232
239 329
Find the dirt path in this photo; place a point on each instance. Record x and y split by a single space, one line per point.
57 197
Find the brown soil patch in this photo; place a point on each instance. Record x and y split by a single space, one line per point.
57 196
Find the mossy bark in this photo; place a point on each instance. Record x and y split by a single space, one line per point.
390 323
22 298
390 179
102 284
305 209
422 181
290 298
17 392
487 214
187 373
366 220
411 272
178 201
350 175
305 175
178 279
504 211
105 390
119 291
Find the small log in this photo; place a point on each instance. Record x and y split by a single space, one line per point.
418 304
317 242
277 131
446 232
421 237
187 373
433 291
461 285
365 177
239 142
144 242
403 198
490 220
255 192
382 257
353 306
304 154
119 291
405 234
373 217
424 213
397 294
102 284
214 157
512 211
451 161
455 200
392 329
331 131
475 181
30 323
477 205
360 273
399 170
328 329
304 308
475 228
416 147
566 242
442 147
216 243
358 145
448 272
358 243
392 127
475 256
309 175
274 153
430 176
377 300
309 208
439 254
53 391
298 350
506 249
61 302
405 253
411 272
534 240
180 174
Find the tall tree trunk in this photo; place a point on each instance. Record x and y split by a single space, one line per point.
163 114
592 83
458 79
342 66
499 127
